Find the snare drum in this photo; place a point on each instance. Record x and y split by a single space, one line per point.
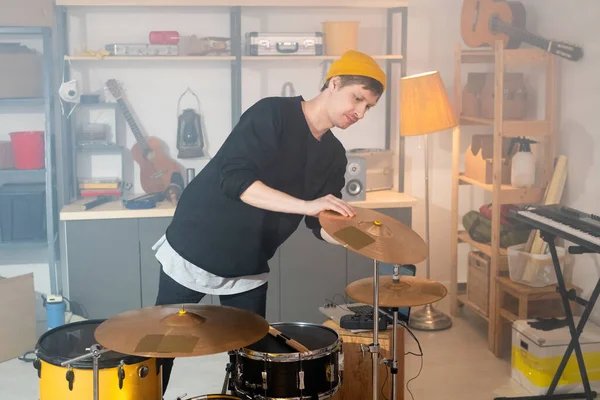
269 369
120 377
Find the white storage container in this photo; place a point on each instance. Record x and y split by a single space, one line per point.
535 270
536 354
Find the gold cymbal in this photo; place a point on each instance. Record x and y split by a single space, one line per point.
181 330
409 291
375 235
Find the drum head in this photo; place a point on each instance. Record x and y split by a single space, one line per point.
314 337
71 340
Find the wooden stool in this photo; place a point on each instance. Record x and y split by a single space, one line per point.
358 370
515 301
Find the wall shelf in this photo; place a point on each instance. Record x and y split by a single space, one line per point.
150 58
501 194
23 102
512 128
32 174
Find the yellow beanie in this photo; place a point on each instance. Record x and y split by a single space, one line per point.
353 62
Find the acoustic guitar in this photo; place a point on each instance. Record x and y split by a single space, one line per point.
483 22
156 167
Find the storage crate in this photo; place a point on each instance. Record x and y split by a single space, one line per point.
535 270
536 355
22 212
478 279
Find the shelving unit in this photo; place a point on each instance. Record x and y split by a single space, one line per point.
48 174
543 130
237 59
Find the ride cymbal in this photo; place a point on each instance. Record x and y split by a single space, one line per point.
375 235
185 330
409 291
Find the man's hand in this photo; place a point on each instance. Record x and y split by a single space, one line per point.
329 202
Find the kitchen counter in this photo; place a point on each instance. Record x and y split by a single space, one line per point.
116 210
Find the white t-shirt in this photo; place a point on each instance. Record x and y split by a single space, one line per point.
195 278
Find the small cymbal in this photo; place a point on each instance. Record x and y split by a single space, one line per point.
375 235
409 291
185 330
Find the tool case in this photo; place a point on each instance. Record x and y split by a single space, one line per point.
284 44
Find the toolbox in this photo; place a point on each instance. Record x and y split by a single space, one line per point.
283 44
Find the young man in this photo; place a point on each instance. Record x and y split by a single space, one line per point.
281 163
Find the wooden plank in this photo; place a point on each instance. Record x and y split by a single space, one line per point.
511 56
483 247
513 128
508 193
233 3
497 178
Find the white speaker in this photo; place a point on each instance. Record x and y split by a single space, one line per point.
355 188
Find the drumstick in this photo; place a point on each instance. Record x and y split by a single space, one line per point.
290 342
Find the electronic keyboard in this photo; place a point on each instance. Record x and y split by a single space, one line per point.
575 226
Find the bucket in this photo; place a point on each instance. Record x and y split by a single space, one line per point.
340 36
28 149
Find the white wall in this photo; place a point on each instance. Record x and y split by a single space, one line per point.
432 34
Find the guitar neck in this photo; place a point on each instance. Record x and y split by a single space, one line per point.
132 124
524 35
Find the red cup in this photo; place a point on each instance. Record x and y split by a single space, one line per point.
28 149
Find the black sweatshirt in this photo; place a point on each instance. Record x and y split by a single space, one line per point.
213 229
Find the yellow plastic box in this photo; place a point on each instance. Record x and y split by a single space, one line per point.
537 353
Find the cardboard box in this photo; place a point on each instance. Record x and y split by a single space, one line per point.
17 316
478 160
21 72
536 354
27 13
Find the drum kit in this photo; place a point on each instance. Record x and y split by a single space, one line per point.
119 358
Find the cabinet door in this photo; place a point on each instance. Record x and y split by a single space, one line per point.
311 271
150 230
360 266
103 266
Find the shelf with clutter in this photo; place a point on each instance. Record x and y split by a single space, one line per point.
515 164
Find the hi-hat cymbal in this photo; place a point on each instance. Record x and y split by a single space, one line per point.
184 330
375 235
409 291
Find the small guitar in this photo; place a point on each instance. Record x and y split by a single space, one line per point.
156 168
485 21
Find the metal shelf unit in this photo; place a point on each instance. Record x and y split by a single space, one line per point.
237 59
48 174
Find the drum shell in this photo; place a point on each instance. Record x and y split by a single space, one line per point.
53 383
320 368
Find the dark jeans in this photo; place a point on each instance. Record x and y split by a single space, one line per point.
171 292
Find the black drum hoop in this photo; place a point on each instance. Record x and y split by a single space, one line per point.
88 363
336 346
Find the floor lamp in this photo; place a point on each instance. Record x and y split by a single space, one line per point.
424 109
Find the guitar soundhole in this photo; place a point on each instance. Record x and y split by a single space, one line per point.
149 155
494 19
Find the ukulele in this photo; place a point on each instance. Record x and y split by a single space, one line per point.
156 168
485 21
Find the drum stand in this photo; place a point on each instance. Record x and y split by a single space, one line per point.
94 351
374 348
393 363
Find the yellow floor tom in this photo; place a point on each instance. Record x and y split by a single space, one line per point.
121 377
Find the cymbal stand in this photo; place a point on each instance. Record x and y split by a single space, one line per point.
374 348
94 351
393 363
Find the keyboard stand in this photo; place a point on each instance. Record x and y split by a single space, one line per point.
574 331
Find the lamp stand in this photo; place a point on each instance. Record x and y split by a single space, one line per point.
428 318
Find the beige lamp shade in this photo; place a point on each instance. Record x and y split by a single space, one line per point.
424 105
